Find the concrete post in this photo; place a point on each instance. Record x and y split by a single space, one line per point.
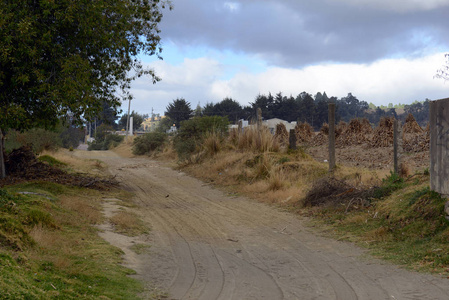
395 146
259 119
331 137
292 139
131 126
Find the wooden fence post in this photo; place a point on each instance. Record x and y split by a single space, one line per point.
292 139
395 146
331 137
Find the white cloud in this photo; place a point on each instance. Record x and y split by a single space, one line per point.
392 80
398 5
232 6
201 80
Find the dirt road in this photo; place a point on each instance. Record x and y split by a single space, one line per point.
209 245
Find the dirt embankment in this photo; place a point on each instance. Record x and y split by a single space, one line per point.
209 245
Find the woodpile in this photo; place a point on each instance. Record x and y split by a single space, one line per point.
383 134
340 128
304 132
411 126
414 138
357 132
322 137
281 134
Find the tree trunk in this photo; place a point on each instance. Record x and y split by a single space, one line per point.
2 155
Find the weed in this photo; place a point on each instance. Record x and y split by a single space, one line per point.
389 185
51 161
128 223
140 248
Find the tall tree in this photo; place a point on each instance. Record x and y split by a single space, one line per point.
71 56
179 110
137 120
444 71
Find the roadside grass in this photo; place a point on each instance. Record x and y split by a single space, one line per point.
49 247
406 225
68 161
128 223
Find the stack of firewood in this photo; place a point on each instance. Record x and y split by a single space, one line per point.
281 134
383 134
357 132
304 132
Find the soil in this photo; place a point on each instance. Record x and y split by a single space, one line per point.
206 244
372 158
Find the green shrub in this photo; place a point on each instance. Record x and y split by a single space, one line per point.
390 184
109 141
51 161
148 142
191 133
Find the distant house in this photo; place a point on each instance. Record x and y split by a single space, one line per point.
271 124
150 124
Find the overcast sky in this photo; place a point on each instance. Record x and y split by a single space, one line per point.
381 51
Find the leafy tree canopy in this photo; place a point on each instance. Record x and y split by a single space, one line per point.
71 56
137 120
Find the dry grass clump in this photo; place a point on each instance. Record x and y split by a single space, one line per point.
258 140
83 207
276 180
213 143
304 132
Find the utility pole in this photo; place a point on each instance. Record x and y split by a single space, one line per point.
127 119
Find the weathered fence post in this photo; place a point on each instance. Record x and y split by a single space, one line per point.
439 148
395 147
331 137
292 139
240 128
259 118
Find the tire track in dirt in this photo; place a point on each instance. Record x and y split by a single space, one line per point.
206 245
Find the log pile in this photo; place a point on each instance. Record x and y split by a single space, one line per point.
304 132
383 134
411 126
414 138
357 132
322 137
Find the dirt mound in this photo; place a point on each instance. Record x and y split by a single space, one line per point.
357 132
22 165
304 132
329 191
383 134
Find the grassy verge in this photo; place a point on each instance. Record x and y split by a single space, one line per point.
407 227
49 247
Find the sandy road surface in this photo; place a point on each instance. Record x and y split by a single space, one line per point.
208 245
